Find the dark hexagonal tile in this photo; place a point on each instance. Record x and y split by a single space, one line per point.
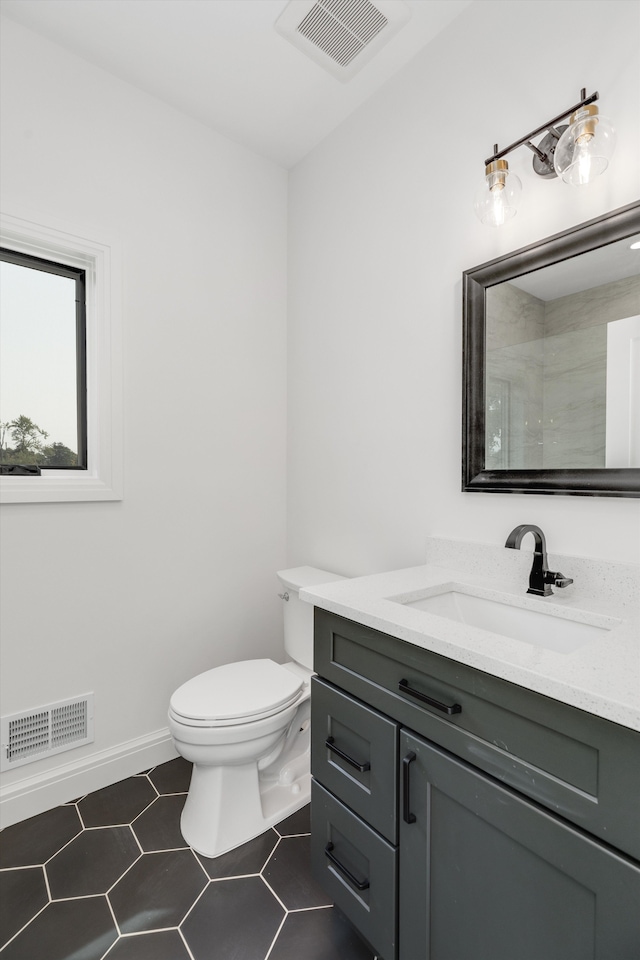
157 892
158 827
233 918
172 777
117 804
318 935
248 859
35 840
295 825
165 945
23 893
288 872
92 862
82 929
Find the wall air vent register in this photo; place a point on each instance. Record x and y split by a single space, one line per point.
341 35
35 734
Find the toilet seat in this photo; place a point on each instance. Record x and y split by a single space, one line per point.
234 693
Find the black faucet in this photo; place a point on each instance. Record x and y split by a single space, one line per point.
540 577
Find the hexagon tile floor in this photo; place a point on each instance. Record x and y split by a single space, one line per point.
109 877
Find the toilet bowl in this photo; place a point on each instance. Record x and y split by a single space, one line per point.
245 728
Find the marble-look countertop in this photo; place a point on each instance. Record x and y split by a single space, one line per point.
601 677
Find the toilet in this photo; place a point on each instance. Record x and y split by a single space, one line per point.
245 728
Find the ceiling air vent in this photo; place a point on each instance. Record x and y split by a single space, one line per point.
341 35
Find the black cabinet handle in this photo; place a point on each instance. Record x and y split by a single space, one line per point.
404 687
330 745
406 800
358 884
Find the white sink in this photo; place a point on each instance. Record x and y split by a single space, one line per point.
542 628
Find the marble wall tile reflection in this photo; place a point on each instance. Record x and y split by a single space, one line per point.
546 370
574 398
600 305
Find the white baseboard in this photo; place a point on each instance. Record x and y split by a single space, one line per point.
43 791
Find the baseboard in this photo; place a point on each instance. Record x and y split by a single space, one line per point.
43 791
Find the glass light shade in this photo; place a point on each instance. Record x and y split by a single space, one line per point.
497 199
585 148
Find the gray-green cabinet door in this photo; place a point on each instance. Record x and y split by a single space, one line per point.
484 873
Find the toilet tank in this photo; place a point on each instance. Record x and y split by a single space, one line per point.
298 615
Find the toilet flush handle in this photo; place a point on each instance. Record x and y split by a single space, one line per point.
284 596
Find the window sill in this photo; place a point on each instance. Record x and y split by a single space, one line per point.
55 486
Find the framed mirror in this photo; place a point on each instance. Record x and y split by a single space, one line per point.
551 364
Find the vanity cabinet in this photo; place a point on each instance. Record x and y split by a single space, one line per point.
456 815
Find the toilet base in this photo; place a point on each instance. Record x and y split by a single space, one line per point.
224 807
214 829
229 805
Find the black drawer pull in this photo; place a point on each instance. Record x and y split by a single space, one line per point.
358 884
404 687
330 745
406 801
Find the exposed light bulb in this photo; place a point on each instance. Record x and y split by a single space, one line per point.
583 161
585 147
496 201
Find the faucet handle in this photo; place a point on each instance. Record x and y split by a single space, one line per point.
557 579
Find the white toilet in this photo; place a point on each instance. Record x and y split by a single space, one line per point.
245 728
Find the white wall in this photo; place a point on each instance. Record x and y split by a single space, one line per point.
130 599
381 227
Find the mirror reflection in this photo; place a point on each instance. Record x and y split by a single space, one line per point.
562 364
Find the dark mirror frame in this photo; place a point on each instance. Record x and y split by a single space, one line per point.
602 482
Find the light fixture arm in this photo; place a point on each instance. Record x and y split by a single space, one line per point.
577 151
548 126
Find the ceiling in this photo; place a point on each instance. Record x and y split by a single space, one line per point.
614 261
223 63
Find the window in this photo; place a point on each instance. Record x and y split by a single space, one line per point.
43 395
61 391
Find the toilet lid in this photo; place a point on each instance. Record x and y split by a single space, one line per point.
237 691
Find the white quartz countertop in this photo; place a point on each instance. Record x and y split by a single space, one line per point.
601 677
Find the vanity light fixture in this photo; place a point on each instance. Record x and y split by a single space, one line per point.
577 151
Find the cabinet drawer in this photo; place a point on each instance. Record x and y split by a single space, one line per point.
579 766
354 754
357 868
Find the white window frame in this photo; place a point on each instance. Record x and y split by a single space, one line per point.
102 480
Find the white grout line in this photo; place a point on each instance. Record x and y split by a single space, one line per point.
273 942
187 947
64 847
82 896
117 939
135 837
198 898
115 882
236 876
170 849
18 932
270 888
115 921
149 780
322 906
277 844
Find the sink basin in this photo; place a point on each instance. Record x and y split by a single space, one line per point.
541 628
